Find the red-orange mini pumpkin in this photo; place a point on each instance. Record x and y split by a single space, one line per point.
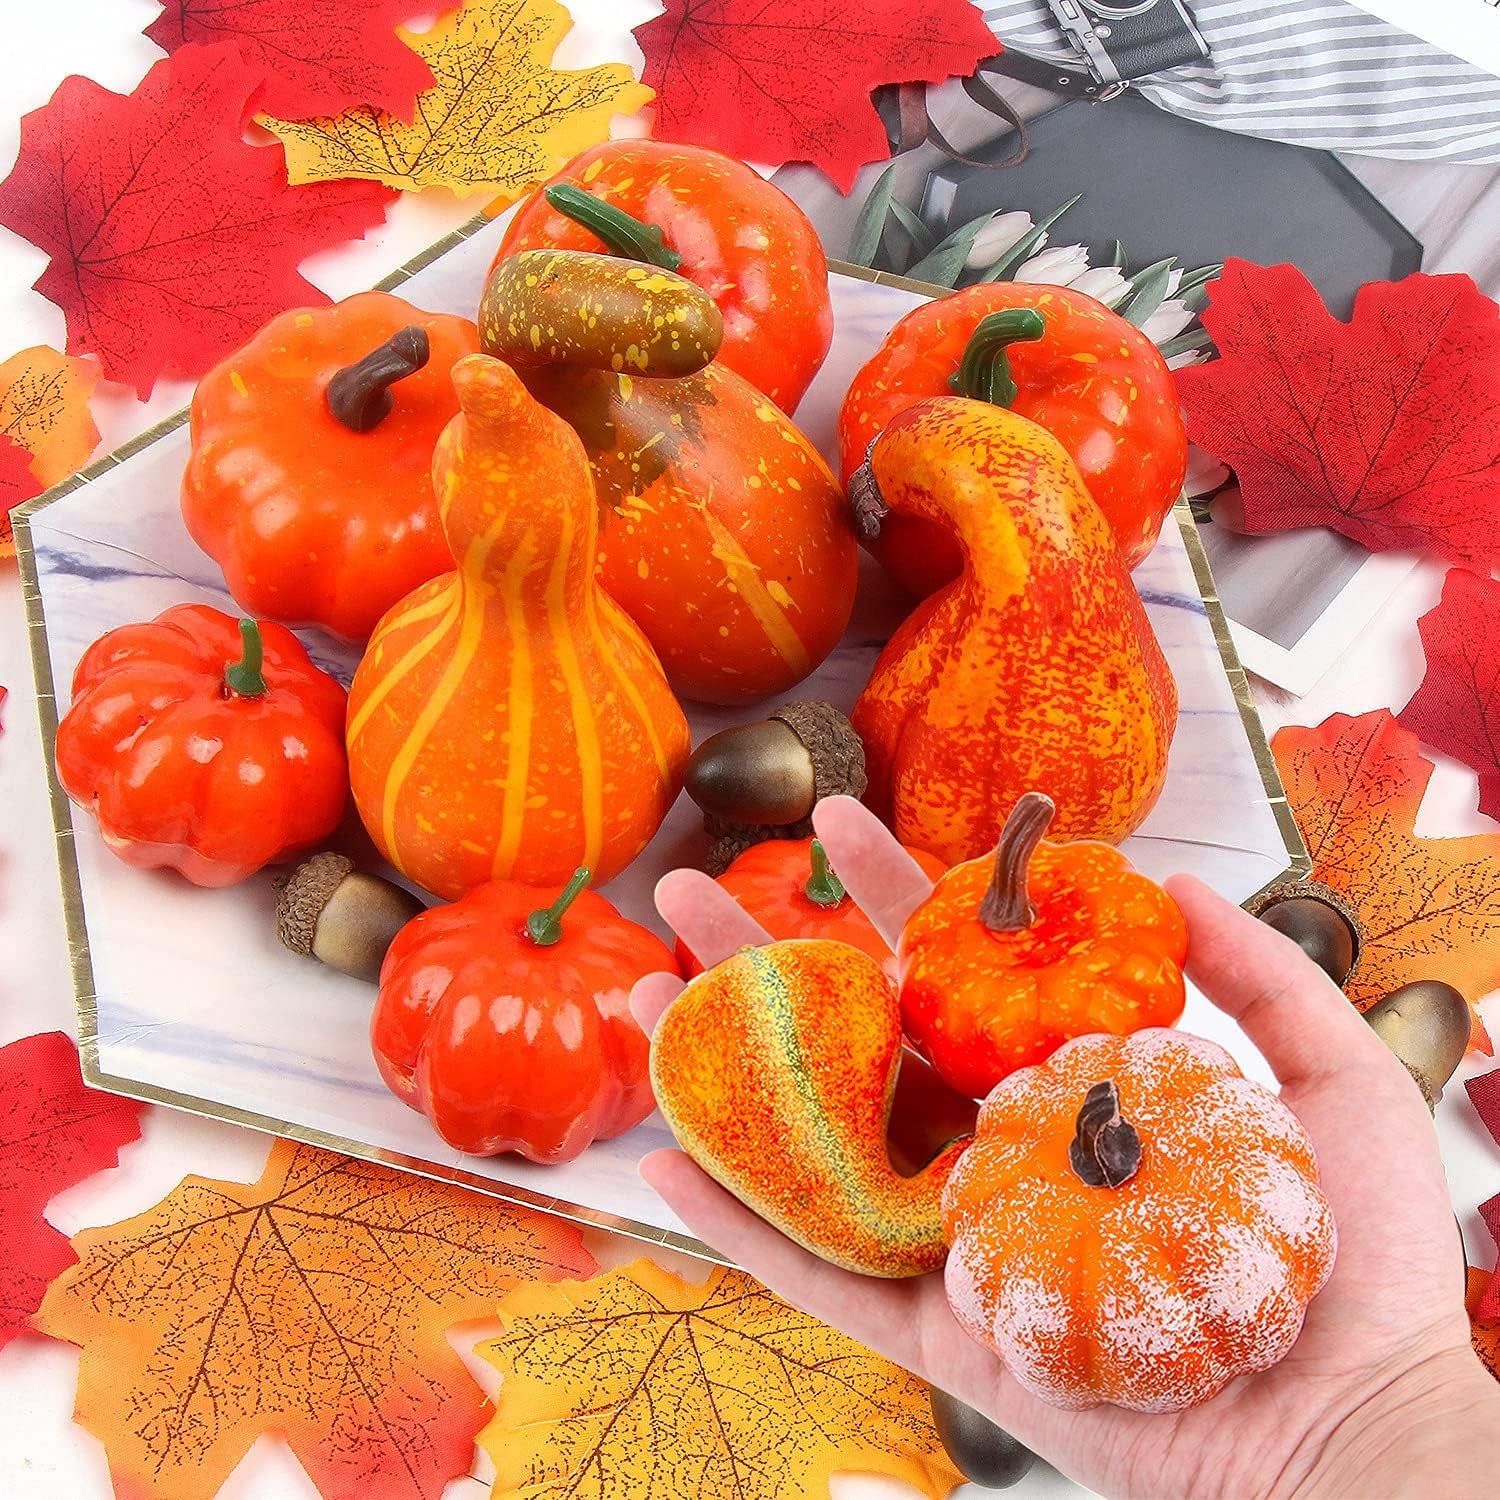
1137 1223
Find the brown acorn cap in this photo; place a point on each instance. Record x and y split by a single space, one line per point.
303 894
1312 890
838 754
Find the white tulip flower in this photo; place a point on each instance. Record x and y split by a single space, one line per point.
1055 267
1002 232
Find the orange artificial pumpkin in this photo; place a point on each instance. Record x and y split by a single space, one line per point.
508 721
776 1070
1135 1222
723 533
1035 670
1016 953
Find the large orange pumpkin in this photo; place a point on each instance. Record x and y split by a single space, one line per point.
1135 1222
508 720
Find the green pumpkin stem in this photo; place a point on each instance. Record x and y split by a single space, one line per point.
1007 903
1106 1152
244 677
984 374
823 886
359 395
621 233
545 927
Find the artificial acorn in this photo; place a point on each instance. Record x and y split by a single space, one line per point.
1321 923
340 916
983 1453
1427 1025
761 781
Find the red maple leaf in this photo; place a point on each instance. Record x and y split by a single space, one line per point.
314 57
789 80
17 484
54 1132
171 239
1457 707
1385 428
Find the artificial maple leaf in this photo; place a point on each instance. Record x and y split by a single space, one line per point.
312 1303
1457 707
313 57
1485 1332
1430 907
640 1383
1385 428
171 239
499 118
54 1132
17 485
790 80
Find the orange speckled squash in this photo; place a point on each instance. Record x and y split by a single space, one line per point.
776 1070
1137 1223
508 721
1036 669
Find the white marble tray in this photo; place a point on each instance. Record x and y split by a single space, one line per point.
185 996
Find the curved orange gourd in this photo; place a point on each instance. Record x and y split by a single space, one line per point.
776 1070
508 721
1035 670
1135 1222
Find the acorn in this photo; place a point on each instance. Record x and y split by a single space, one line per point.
1427 1025
342 917
1319 920
984 1454
761 781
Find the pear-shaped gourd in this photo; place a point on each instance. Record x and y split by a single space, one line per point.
508 720
1036 669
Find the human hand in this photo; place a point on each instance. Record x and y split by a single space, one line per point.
1382 1394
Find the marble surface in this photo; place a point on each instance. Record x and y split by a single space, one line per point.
196 1004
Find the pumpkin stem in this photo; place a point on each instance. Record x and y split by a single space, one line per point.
1106 1152
545 927
824 887
244 677
865 499
1007 903
623 234
359 395
984 373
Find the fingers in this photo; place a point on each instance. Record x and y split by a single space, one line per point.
1308 1032
887 884
710 922
649 1000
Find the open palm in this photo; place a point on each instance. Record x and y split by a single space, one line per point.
1383 1369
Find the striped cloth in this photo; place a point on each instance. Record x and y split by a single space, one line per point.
1315 72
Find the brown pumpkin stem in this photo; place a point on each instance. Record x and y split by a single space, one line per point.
1007 903
359 395
1106 1152
865 499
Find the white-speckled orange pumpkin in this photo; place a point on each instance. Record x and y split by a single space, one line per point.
1136 1222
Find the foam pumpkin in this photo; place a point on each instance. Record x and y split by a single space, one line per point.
1136 1223
508 720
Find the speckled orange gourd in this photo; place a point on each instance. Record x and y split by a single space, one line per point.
508 720
1150 1287
1036 669
776 1070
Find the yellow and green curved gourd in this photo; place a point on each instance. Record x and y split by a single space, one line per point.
776 1070
508 720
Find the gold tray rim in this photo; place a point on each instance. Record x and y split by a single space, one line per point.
80 962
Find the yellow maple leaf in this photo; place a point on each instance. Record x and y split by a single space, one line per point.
46 429
640 1383
499 118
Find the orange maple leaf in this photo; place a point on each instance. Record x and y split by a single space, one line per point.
1430 907
1486 1336
641 1383
312 1303
44 413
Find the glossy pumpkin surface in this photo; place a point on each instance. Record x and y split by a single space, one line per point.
1036 669
1156 1292
776 1070
508 721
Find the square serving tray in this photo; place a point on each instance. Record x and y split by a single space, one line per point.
185 997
